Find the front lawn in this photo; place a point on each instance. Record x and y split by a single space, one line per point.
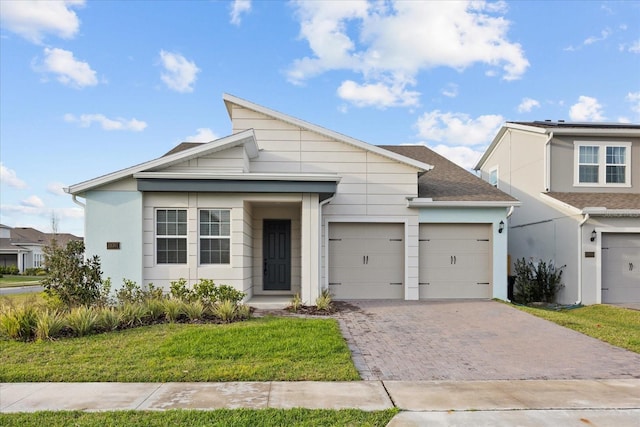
615 325
8 281
221 417
263 349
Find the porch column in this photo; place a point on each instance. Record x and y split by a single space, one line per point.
310 248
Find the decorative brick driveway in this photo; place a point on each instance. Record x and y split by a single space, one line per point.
472 340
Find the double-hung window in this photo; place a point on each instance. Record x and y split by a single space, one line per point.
600 164
215 236
171 236
493 176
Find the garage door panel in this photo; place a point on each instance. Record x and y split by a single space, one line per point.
620 267
366 260
455 261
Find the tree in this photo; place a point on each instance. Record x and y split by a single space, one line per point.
72 278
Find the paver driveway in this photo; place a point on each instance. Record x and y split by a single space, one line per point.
473 340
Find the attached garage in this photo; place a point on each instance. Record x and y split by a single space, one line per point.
620 267
455 261
366 260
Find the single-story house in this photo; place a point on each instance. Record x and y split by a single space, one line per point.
282 207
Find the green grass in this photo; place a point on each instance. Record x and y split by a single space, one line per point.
32 298
264 349
615 325
13 281
221 417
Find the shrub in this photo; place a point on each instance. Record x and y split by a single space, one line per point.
173 309
229 293
296 303
225 310
34 272
178 290
323 302
75 280
49 324
154 308
9 269
539 282
18 323
108 319
132 315
129 293
206 291
243 311
82 320
194 310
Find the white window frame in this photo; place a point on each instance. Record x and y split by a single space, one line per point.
209 237
492 171
602 163
157 236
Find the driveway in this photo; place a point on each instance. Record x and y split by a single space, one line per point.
472 340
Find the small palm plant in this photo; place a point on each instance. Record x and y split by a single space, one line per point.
323 302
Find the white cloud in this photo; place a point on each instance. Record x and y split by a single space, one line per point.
462 156
202 135
604 34
377 95
68 69
633 98
85 120
10 178
180 74
587 109
635 47
391 42
451 90
527 105
458 128
238 8
33 19
56 188
33 202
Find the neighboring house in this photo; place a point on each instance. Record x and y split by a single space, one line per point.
579 184
282 206
22 247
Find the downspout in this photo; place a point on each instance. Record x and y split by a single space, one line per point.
320 269
586 218
547 165
77 202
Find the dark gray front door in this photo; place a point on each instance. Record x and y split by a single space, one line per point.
277 255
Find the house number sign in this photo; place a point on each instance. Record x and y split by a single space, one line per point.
113 245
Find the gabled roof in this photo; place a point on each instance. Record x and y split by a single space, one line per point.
231 99
31 236
246 138
550 128
599 202
448 182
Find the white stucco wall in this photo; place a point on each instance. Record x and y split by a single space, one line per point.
115 216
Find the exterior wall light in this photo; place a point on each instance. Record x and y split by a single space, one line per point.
593 235
500 226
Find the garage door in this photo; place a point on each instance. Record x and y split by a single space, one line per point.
620 267
455 261
366 261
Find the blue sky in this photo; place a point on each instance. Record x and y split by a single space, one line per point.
91 87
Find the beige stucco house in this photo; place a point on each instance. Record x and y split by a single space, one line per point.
579 184
282 206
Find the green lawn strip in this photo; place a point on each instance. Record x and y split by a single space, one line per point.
615 325
14 281
220 417
262 349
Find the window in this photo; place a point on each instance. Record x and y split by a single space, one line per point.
493 177
171 236
215 236
603 164
38 260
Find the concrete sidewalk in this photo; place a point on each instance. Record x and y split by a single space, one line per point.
535 402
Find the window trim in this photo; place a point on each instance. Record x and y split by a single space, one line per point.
200 237
491 171
157 236
602 163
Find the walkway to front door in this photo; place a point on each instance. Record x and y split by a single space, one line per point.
472 340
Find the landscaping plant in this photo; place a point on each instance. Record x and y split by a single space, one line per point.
539 282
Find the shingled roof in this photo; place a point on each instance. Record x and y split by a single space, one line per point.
598 200
448 182
31 236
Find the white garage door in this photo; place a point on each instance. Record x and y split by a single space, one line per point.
366 261
620 267
455 261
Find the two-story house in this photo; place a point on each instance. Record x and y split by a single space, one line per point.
579 184
282 206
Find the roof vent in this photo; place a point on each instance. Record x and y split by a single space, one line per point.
560 121
547 120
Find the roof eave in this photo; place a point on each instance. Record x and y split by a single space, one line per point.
601 211
429 203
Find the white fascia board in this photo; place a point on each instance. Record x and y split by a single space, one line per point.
246 137
560 204
601 211
231 99
429 203
240 176
596 132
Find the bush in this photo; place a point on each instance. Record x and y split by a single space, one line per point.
49 324
178 290
9 269
225 310
296 303
539 282
82 321
108 319
323 302
18 323
194 310
173 309
229 293
132 315
73 279
35 272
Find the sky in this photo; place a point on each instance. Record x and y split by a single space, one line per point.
91 87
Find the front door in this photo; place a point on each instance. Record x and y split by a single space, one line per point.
277 255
